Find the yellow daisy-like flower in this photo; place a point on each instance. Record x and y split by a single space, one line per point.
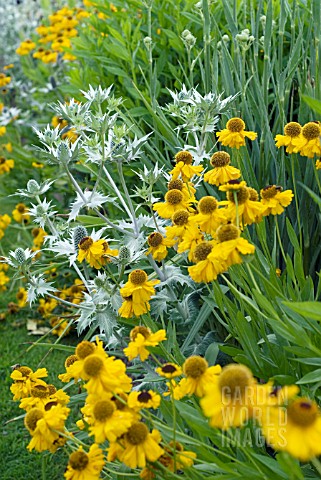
318 164
183 222
106 422
191 238
25 379
292 131
232 185
139 446
184 167
183 458
240 205
158 246
142 337
44 397
233 397
39 53
209 217
187 189
140 290
5 165
5 221
44 426
174 200
21 297
85 466
274 200
284 428
25 47
105 375
230 246
2 127
93 251
127 308
222 171
20 213
234 134
308 143
49 56
143 399
169 370
199 376
207 267
66 377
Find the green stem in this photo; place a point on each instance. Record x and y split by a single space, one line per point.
129 200
317 465
279 237
174 424
296 202
207 44
236 209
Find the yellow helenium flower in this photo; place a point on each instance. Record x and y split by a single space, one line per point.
292 131
6 165
233 397
20 213
234 134
209 217
169 370
183 458
25 379
230 247
207 268
158 246
25 47
318 164
21 297
285 428
274 200
44 426
222 171
174 200
308 143
239 204
4 80
49 56
199 376
44 397
142 337
127 308
106 422
140 289
5 221
139 446
184 167
183 222
143 399
2 128
85 466
187 189
105 375
92 251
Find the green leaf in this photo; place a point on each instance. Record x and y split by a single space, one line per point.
311 377
313 103
306 309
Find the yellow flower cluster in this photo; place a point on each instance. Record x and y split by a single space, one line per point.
61 123
4 279
96 252
4 80
5 164
20 213
55 37
136 294
303 140
208 229
5 221
45 406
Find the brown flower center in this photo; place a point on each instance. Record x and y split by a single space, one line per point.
139 330
84 349
138 277
254 196
292 129
311 130
270 191
220 159
242 195
175 184
39 391
93 365
103 410
235 125
207 205
25 371
202 250
227 232
195 366
234 380
2 160
21 208
174 197
85 243
155 239
168 368
70 360
303 412
184 156
137 433
32 418
144 397
35 232
180 218
78 460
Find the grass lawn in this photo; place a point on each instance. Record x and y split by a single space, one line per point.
16 463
